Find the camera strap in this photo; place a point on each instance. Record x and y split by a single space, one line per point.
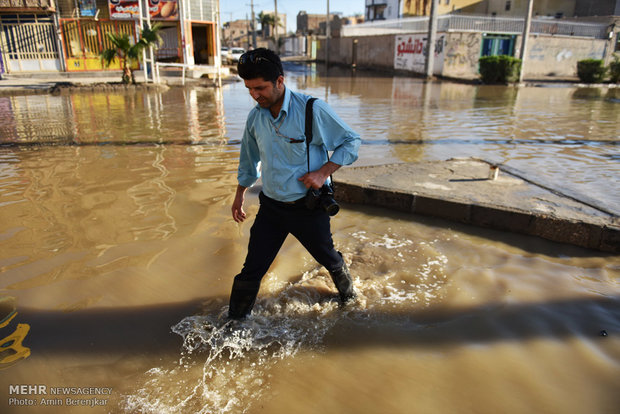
308 132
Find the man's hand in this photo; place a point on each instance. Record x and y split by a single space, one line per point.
313 179
237 207
316 179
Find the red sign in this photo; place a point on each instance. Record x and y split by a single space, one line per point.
124 9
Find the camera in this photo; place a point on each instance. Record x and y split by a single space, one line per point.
322 198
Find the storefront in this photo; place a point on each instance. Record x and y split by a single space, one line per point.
71 34
84 40
28 40
184 38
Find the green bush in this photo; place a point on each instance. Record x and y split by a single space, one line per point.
614 70
591 70
499 69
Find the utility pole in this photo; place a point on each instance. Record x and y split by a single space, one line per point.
432 38
253 25
249 29
327 34
275 27
187 58
218 48
144 21
526 34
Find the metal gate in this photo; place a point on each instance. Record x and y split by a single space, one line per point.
29 44
84 40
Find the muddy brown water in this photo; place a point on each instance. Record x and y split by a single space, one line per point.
117 252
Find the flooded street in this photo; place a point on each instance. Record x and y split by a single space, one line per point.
118 251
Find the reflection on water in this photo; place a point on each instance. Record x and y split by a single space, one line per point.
12 349
96 118
115 215
81 212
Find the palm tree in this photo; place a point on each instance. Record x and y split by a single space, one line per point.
128 52
268 20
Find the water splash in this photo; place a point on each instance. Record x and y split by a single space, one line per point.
225 366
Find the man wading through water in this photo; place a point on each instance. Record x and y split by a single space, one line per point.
274 136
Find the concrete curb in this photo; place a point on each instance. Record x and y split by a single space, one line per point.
68 82
459 190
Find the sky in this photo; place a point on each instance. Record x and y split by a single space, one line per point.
239 9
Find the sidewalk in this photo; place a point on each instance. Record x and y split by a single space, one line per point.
460 190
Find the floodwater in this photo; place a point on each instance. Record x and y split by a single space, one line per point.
117 253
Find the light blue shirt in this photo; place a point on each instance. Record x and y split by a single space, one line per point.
267 151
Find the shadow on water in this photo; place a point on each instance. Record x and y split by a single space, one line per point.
557 320
147 330
115 330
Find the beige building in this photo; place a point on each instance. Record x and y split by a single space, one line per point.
551 8
308 24
423 7
269 31
314 24
237 33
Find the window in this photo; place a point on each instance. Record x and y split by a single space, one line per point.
496 45
507 5
379 12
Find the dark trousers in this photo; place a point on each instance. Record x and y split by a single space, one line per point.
274 221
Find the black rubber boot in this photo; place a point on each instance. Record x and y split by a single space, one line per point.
242 298
344 284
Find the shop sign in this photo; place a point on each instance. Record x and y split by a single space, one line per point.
124 9
164 9
130 9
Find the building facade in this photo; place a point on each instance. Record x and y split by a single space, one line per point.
41 35
553 49
237 33
382 10
308 24
28 40
516 8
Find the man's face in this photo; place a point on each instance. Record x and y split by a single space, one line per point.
265 92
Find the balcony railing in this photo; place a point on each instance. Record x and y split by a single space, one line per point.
469 23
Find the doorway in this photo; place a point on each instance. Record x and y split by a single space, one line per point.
204 44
